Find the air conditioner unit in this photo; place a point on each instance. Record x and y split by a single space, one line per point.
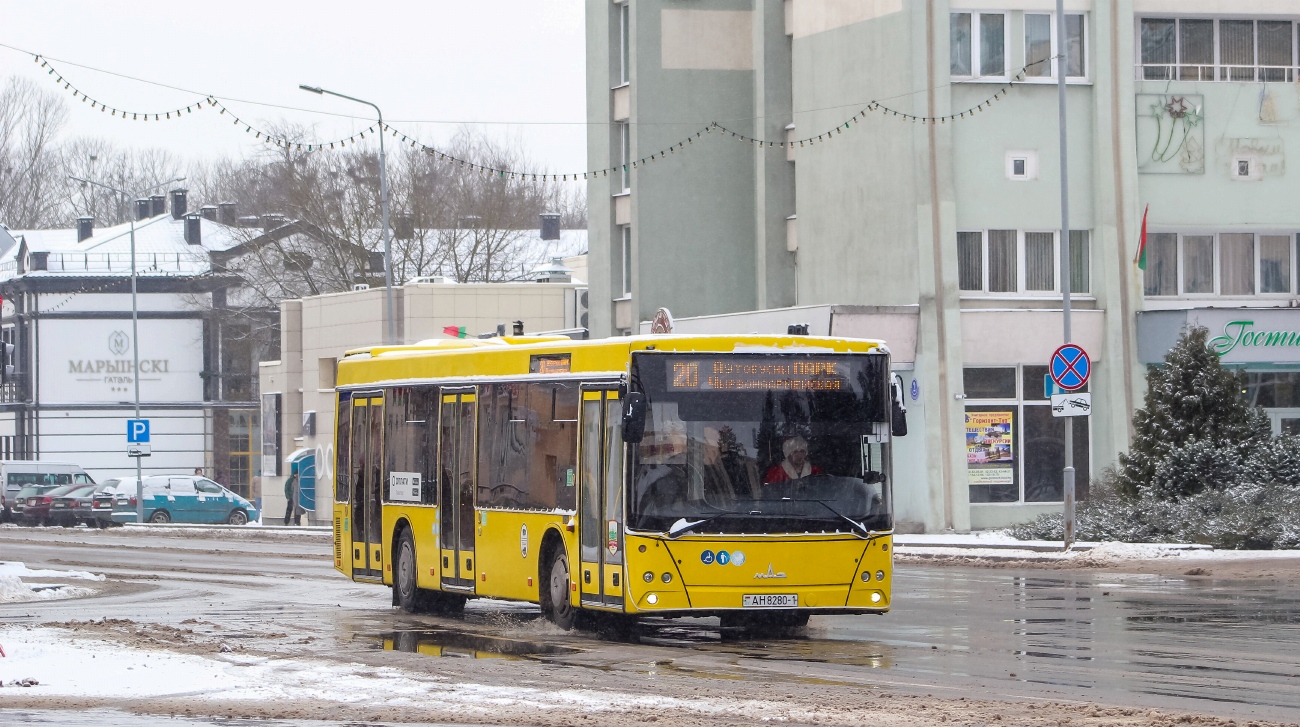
576 308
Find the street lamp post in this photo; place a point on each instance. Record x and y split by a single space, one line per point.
383 206
135 325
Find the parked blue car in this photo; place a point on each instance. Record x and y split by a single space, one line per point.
181 499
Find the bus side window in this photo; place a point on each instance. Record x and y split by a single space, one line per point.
411 442
342 448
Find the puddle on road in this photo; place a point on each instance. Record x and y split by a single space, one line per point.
467 645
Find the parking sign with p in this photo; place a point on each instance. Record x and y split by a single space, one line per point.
137 431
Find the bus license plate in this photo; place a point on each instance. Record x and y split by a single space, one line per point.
770 600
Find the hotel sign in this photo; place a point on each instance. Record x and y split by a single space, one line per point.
1244 335
91 361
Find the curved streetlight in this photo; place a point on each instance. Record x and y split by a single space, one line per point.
383 205
135 321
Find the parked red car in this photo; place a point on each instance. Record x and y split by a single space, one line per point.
36 510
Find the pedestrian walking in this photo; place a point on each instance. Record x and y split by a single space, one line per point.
292 510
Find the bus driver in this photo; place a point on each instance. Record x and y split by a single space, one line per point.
795 466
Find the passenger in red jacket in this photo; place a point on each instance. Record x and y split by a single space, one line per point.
795 465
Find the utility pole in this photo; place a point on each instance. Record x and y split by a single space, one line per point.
383 206
1061 63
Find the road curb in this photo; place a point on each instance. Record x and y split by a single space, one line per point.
305 529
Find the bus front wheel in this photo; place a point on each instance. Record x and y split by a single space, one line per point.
562 613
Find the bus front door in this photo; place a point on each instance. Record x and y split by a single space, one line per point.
457 487
600 524
367 466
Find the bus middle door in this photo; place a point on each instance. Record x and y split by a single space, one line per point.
367 483
457 489
600 506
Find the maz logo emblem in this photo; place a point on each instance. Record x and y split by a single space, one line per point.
119 343
770 573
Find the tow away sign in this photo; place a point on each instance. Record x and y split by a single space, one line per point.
1071 405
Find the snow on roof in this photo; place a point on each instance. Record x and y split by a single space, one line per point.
160 248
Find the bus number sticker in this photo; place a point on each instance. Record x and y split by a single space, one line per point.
707 557
404 486
523 540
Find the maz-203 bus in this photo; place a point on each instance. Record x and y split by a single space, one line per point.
745 477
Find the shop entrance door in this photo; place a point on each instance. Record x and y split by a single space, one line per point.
600 526
456 483
367 483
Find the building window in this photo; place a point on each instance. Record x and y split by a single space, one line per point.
1015 448
978 45
1020 262
624 45
1204 49
626 236
1040 46
625 154
1234 264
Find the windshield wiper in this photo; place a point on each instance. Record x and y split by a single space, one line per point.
683 525
857 526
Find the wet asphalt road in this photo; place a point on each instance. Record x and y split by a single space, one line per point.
1199 645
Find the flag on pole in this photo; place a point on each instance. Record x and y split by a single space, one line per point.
1141 259
455 331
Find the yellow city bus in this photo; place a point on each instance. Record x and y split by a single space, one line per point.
745 477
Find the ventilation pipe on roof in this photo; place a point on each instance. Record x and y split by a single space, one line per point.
142 208
208 212
193 229
178 203
157 205
550 225
85 228
226 213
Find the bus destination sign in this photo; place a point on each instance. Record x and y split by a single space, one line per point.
719 374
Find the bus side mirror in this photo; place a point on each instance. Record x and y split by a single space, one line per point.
634 409
898 410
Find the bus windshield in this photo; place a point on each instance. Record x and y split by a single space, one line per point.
762 443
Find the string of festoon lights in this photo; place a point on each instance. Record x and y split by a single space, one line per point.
486 170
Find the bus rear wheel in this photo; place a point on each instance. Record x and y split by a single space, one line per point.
408 593
561 612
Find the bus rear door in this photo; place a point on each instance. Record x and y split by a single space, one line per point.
457 487
600 506
367 480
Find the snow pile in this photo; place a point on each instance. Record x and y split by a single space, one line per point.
20 570
13 590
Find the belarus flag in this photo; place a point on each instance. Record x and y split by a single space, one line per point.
1141 258
455 331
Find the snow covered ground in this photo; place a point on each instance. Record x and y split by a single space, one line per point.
998 545
69 666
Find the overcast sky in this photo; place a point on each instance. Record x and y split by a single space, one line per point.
429 64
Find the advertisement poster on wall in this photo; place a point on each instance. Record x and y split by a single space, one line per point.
989 447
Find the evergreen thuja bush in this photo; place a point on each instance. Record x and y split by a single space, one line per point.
1195 428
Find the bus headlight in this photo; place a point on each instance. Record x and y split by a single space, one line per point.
875 597
667 578
866 576
648 577
880 575
652 599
